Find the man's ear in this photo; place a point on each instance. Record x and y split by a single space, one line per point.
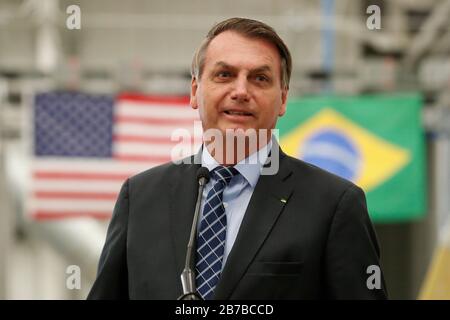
284 94
194 87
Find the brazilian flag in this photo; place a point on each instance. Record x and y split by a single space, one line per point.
375 141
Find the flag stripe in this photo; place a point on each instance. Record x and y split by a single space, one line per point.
75 185
142 158
57 215
133 148
58 204
88 165
155 131
166 100
155 140
131 109
80 175
75 195
154 121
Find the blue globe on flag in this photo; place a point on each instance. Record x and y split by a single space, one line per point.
333 151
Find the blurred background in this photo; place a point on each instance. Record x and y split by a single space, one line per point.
90 92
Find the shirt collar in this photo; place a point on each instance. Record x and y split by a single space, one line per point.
249 168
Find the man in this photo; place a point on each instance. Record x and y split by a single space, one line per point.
298 233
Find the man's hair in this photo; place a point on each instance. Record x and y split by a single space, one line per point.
249 28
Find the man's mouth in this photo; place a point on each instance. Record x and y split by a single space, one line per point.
238 113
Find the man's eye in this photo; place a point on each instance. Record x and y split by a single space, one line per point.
223 74
261 78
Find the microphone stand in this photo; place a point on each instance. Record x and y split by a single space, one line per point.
188 275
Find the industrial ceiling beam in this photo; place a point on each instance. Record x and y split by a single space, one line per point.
427 34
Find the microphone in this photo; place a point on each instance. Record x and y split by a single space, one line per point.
188 274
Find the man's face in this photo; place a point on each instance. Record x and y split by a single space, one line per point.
240 87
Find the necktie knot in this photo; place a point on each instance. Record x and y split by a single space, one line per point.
225 174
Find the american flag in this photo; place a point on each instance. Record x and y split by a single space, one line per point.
85 146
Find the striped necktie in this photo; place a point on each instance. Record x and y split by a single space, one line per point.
212 234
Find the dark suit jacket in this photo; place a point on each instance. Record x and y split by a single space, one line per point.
317 245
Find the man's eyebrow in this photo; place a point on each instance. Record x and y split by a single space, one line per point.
262 68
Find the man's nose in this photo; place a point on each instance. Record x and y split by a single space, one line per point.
240 90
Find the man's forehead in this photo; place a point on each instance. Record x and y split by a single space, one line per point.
230 49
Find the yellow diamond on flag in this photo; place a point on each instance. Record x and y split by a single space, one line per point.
330 140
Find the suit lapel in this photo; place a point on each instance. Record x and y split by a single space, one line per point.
263 210
183 194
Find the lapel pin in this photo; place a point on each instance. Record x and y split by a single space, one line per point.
283 200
